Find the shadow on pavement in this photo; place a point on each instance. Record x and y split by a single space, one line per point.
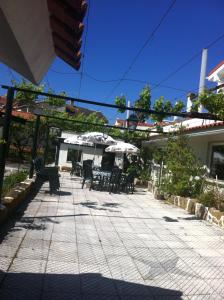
84 286
97 206
168 219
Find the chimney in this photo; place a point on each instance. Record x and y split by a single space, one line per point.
190 97
204 59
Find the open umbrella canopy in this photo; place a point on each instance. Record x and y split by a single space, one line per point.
98 138
76 140
122 147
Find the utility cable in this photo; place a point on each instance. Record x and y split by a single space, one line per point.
116 80
143 47
188 61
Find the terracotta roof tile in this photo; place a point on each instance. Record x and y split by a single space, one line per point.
66 19
120 121
215 124
216 68
25 115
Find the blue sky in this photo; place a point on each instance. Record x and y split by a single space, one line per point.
116 32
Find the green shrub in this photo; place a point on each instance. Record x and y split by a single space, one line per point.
145 174
184 172
208 199
11 180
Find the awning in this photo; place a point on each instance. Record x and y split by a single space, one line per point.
34 32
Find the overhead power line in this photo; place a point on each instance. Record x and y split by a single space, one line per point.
133 80
188 61
152 34
155 85
116 80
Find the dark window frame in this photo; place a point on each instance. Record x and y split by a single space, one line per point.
217 168
73 156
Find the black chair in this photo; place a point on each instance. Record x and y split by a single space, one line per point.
46 174
127 183
114 181
87 162
76 168
94 180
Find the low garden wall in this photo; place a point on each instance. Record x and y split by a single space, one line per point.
14 197
199 210
193 206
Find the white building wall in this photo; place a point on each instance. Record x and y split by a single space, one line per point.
87 153
201 144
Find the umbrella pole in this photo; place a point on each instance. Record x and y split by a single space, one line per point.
94 153
78 154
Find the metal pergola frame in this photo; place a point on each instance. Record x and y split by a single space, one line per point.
8 117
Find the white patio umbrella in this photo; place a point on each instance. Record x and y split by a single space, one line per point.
98 138
77 141
122 147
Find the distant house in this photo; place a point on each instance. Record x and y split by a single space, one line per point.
74 110
141 125
205 137
217 75
72 151
71 109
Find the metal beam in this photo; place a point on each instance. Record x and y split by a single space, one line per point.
100 125
205 116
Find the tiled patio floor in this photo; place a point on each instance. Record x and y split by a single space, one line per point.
85 244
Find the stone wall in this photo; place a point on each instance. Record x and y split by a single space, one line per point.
211 215
12 200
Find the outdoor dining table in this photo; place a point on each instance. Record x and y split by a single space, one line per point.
103 174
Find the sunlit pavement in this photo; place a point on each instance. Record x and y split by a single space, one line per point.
83 244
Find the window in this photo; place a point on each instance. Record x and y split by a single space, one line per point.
217 162
74 155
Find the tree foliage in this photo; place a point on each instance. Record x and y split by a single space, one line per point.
213 103
121 101
56 101
184 170
21 138
24 97
165 106
144 102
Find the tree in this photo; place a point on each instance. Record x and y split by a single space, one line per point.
213 103
26 98
165 106
20 136
56 101
121 101
183 167
144 102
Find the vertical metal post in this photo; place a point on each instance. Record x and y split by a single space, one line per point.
34 147
5 135
46 145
